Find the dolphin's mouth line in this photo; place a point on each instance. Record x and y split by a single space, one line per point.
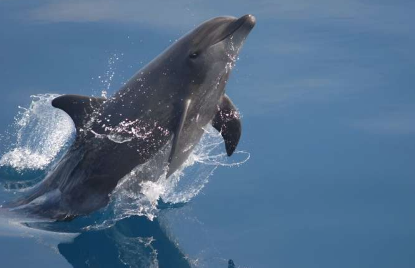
229 34
240 24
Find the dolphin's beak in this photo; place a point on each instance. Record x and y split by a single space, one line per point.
247 21
243 25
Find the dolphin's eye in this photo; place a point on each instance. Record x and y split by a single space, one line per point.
194 55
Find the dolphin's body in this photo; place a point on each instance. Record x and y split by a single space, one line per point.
167 103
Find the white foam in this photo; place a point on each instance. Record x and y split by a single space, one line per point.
41 132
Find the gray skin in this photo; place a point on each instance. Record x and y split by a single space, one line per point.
164 105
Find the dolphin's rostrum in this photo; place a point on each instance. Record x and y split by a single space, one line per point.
167 103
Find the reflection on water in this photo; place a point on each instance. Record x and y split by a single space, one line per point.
132 242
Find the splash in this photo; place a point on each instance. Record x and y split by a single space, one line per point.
132 196
128 130
41 132
106 80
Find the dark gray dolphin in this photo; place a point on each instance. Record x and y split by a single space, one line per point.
164 105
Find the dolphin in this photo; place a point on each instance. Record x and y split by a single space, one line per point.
166 104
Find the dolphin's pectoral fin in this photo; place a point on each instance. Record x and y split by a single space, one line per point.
179 129
77 107
227 122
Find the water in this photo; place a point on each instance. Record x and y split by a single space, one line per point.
326 93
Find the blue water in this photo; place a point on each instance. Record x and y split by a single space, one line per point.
326 93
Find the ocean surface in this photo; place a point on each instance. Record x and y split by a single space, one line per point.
324 175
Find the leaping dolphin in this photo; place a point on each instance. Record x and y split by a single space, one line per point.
169 101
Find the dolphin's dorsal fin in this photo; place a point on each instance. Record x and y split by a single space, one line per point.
78 107
227 122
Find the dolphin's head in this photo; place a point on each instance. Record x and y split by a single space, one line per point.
218 39
206 55
213 47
